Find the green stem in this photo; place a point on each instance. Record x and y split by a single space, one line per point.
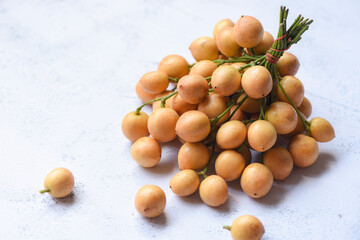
173 79
163 100
227 228
239 149
137 112
203 172
44 191
215 120
262 106
248 121
238 106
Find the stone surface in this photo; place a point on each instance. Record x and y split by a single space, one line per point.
68 72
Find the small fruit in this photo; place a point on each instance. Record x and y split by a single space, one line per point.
150 201
134 126
59 183
256 180
146 151
213 191
247 227
184 183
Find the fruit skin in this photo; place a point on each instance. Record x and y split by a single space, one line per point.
193 88
134 126
213 105
161 124
154 82
293 88
146 151
150 201
204 68
265 44
60 182
283 116
229 165
248 31
180 106
256 180
288 64
174 66
226 80
226 43
222 24
193 156
321 130
231 134
279 161
185 182
304 150
204 48
213 191
193 126
257 82
261 135
143 95
306 107
247 227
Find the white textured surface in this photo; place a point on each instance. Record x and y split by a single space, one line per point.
68 71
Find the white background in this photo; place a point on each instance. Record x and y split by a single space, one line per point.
67 75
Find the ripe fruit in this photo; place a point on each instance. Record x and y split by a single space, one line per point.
256 180
174 66
59 183
150 201
193 156
283 116
205 68
306 107
222 24
204 48
248 32
185 182
213 191
161 124
293 88
214 105
193 126
142 94
193 88
279 161
229 165
134 126
321 130
146 151
288 64
180 106
304 150
257 82
265 44
261 135
154 82
247 227
226 43
226 80
231 134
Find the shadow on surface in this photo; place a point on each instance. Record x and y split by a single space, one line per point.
275 196
71 199
193 198
158 221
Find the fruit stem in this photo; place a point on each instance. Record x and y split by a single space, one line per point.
238 106
239 149
203 172
44 191
163 100
262 114
137 112
306 123
227 228
173 79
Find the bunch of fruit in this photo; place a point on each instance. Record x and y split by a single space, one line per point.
239 96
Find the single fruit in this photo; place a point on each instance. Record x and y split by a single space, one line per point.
146 151
180 106
283 116
229 165
247 227
231 134
154 82
193 156
226 80
248 32
161 124
256 180
204 68
321 130
193 126
134 126
288 64
174 66
304 150
142 94
59 183
213 191
193 88
293 88
265 44
150 201
204 48
184 183
257 82
226 43
279 161
261 135
222 24
306 107
213 105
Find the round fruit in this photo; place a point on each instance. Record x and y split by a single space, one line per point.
174 66
283 116
231 134
226 80
142 94
321 130
256 180
222 24
134 126
193 156
193 88
154 82
257 82
204 48
204 68
247 227
161 124
150 201
213 191
265 44
306 107
59 183
279 161
261 135
184 183
288 64
250 105
304 150
238 115
146 151
248 32
226 43
229 165
293 88
180 106
193 126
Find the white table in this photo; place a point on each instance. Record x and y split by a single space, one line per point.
68 72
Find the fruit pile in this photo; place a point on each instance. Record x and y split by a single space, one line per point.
240 96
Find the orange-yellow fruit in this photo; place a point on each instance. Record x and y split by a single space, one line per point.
248 31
